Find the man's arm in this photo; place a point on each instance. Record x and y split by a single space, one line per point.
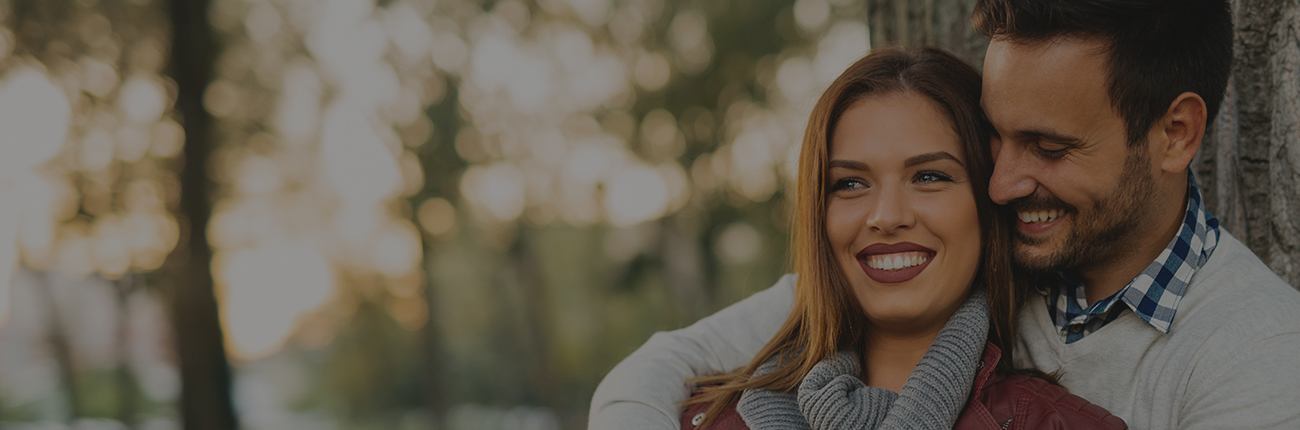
1258 389
646 389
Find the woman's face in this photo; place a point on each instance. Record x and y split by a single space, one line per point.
901 215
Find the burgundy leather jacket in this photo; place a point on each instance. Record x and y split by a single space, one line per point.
999 402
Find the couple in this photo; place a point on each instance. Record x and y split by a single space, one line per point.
911 208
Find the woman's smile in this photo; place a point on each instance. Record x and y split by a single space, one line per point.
894 263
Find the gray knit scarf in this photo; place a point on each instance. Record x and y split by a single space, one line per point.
832 396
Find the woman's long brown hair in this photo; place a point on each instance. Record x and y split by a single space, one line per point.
826 317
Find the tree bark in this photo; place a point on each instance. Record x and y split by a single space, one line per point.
1249 166
937 23
205 401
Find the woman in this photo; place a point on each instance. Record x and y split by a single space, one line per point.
904 265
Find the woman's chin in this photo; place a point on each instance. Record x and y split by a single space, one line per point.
905 312
898 319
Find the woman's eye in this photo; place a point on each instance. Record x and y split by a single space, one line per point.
848 184
928 177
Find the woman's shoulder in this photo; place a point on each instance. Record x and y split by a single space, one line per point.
694 415
1033 402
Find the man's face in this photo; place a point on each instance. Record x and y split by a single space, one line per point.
1061 157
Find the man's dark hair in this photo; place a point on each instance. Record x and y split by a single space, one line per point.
1157 49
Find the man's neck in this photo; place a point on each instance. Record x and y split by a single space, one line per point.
1109 277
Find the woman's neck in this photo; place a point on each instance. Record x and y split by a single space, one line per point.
890 358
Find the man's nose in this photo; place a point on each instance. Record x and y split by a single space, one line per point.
1010 179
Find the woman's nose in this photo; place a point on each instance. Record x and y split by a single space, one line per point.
891 212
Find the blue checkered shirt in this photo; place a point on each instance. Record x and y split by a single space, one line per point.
1155 293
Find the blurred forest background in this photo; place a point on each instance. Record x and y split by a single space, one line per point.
402 214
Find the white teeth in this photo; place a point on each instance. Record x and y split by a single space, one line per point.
897 261
1030 217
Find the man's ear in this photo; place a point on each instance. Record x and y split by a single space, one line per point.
1182 128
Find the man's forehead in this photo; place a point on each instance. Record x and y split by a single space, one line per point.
1065 44
1054 59
1044 81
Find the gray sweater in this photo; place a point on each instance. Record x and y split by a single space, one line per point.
1230 360
832 395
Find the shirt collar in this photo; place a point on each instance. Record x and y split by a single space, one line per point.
1154 294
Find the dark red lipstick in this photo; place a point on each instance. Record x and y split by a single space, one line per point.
893 276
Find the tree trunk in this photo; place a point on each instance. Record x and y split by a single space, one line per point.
442 159
205 401
533 322
127 389
1250 166
61 348
937 23
433 360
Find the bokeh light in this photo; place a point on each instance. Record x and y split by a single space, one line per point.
35 115
456 182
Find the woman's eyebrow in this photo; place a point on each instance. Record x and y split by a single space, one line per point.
931 156
849 164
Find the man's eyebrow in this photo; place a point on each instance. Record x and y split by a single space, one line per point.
1050 136
931 156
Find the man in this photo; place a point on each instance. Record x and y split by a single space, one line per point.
1150 309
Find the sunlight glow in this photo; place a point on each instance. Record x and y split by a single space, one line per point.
660 136
437 216
448 50
811 14
500 66
97 77
409 33
166 139
634 195
95 150
75 250
241 223
689 34
739 243
793 79
149 237
143 99
110 236
592 12
35 116
496 189
357 162
48 199
753 172
395 249
265 290
257 175
297 115
652 71
844 43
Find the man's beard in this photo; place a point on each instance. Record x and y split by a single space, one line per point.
1096 237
